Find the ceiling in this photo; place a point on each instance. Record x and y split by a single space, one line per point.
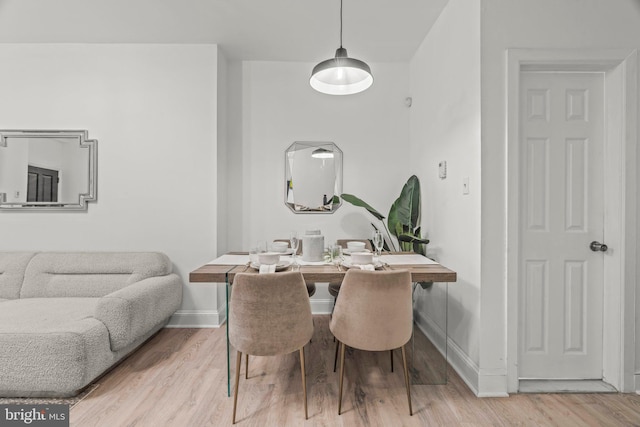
272 30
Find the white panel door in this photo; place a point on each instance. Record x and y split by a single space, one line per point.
561 213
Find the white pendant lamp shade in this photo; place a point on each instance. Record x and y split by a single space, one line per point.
322 153
341 75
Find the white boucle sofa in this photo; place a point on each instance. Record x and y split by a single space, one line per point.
66 318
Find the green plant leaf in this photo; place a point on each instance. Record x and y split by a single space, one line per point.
406 209
355 201
412 239
414 243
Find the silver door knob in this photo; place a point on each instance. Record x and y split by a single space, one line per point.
598 247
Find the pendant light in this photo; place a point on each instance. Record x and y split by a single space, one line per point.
322 153
341 75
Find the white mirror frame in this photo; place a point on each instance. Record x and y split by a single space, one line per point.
84 142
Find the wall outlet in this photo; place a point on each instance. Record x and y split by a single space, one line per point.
465 185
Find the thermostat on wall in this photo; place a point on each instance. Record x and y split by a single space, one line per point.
442 168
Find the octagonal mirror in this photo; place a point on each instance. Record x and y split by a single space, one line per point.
313 177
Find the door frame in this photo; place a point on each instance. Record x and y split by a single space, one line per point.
620 67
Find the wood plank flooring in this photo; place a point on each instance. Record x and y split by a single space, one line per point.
179 379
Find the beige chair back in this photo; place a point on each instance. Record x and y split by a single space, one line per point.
374 311
269 314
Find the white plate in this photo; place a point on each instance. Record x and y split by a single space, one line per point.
347 264
282 265
349 252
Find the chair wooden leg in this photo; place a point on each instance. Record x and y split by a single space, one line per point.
335 358
407 379
246 367
341 376
391 354
235 392
304 382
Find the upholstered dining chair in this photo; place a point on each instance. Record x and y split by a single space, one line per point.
334 288
269 314
374 313
311 287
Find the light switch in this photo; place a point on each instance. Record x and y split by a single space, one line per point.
442 169
16 194
465 185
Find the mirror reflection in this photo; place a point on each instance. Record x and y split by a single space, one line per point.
313 177
46 169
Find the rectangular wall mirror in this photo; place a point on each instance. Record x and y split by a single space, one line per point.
313 177
47 169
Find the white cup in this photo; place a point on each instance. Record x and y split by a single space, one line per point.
355 246
362 258
268 258
279 247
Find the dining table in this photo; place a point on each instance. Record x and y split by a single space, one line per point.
224 268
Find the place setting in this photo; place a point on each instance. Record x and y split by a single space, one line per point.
362 258
281 255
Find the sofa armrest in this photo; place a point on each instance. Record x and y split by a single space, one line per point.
134 310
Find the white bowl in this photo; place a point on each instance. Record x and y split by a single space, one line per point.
362 258
355 246
280 247
268 258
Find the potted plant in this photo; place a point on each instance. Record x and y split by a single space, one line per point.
403 220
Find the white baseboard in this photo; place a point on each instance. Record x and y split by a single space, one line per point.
487 384
492 384
461 363
321 306
197 319
637 381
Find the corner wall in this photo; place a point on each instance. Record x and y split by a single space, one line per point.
152 109
445 126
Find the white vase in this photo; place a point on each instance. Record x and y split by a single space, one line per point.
313 246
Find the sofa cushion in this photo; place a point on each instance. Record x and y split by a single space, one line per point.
89 274
50 344
12 267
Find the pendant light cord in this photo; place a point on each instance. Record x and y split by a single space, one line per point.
340 23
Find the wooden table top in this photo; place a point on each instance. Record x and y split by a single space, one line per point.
210 273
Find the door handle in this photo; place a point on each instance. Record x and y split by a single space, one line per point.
598 247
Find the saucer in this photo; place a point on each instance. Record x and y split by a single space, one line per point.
288 251
282 265
349 252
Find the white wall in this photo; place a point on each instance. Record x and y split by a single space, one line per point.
445 126
525 24
278 108
152 109
222 173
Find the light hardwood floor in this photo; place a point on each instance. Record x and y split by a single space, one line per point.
179 379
